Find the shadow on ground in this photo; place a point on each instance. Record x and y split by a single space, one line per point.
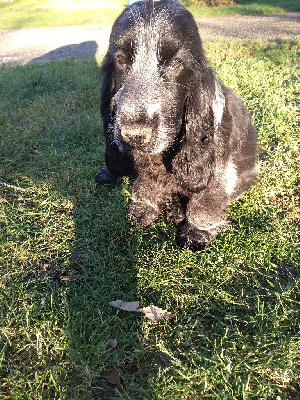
93 258
80 50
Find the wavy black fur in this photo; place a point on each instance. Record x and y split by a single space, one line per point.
171 123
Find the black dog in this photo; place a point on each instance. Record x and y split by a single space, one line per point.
168 121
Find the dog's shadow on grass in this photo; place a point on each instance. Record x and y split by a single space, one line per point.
71 246
100 261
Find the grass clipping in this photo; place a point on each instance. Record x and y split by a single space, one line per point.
153 313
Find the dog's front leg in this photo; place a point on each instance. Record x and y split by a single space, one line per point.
151 190
145 207
205 217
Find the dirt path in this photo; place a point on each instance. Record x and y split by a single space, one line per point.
45 44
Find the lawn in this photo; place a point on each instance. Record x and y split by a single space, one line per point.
244 7
67 250
41 13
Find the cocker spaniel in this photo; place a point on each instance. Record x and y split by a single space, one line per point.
169 122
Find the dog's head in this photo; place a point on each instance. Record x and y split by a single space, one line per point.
154 51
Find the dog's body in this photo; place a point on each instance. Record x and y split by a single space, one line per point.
168 121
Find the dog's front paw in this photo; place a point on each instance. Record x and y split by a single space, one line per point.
143 214
104 177
193 238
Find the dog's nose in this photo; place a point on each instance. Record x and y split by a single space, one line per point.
136 134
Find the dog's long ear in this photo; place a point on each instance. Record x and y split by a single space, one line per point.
194 162
199 115
108 87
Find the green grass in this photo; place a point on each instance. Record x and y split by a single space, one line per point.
66 250
42 13
244 7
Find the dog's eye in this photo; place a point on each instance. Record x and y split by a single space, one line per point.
121 60
175 64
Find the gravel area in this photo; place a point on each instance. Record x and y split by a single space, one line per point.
19 47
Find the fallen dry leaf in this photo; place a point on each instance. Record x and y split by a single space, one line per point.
126 305
68 278
113 343
113 377
153 313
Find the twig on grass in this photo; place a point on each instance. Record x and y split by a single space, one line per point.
8 186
